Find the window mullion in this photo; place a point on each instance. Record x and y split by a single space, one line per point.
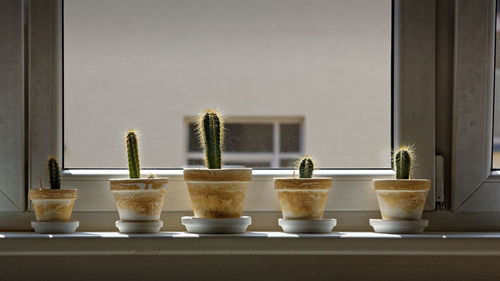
276 145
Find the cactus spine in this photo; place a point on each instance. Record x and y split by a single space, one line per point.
306 168
134 168
211 135
403 161
54 173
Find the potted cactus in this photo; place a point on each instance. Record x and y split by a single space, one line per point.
303 200
401 200
138 200
215 192
53 207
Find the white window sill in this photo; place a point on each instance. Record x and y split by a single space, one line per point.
177 174
251 243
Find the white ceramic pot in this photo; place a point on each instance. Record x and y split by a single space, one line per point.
53 205
217 193
139 199
302 199
400 199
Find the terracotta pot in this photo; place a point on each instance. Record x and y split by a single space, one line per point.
217 193
401 199
139 199
302 199
53 204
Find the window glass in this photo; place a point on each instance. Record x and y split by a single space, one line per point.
290 137
288 163
152 65
250 142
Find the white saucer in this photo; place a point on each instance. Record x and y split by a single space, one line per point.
218 226
139 226
399 226
307 226
54 227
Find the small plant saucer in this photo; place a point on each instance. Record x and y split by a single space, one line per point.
55 227
216 226
139 226
399 226
307 226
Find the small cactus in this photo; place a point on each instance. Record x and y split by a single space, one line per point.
211 135
306 168
54 173
134 167
403 161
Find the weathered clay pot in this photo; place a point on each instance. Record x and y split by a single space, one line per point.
302 199
217 193
53 204
139 199
401 199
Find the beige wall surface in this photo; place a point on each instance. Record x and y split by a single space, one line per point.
149 64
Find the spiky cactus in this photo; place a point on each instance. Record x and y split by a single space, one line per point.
403 160
306 168
54 173
134 167
211 135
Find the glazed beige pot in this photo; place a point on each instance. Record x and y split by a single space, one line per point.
53 204
401 199
139 199
217 193
302 199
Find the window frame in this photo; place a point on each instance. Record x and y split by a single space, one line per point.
413 36
475 185
13 89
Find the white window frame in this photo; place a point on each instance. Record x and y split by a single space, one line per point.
475 187
12 98
414 93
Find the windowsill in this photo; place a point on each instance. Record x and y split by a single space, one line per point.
250 243
178 173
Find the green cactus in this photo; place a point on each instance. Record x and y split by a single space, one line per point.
134 167
306 168
211 135
54 173
403 161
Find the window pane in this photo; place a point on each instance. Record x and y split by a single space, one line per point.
262 164
249 164
290 137
195 162
248 138
239 137
288 163
194 143
151 65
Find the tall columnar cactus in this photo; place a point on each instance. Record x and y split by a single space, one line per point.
211 135
134 167
54 173
403 161
306 168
